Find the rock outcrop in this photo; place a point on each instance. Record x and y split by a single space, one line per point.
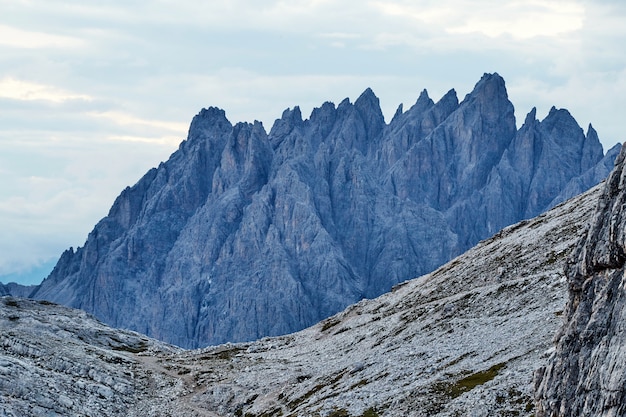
243 234
586 376
56 361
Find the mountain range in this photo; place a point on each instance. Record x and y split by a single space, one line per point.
243 234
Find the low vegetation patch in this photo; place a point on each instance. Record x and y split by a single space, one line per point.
339 412
455 389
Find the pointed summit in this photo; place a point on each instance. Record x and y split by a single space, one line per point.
448 103
368 107
345 103
398 113
563 121
531 117
491 86
490 99
367 100
591 133
552 111
207 120
288 120
592 149
423 102
423 97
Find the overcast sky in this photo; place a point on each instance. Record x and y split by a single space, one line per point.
92 96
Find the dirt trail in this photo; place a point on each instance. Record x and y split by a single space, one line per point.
181 397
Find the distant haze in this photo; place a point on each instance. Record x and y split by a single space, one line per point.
92 96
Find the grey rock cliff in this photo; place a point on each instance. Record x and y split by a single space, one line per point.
587 373
243 234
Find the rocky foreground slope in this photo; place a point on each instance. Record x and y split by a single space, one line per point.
586 375
243 234
463 340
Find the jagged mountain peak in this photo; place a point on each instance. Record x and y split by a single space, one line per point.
491 77
368 103
344 105
243 234
211 113
592 134
559 115
491 87
398 113
531 117
209 118
451 95
491 96
368 106
322 112
367 96
423 103
290 119
423 97
590 128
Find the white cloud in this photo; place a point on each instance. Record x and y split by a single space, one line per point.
161 140
14 89
525 20
436 15
520 20
125 119
18 38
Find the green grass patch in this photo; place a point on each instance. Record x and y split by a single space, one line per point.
370 412
455 389
339 412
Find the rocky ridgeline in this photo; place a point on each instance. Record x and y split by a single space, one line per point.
243 234
586 374
462 340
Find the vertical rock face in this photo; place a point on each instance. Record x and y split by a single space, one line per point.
587 374
243 234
